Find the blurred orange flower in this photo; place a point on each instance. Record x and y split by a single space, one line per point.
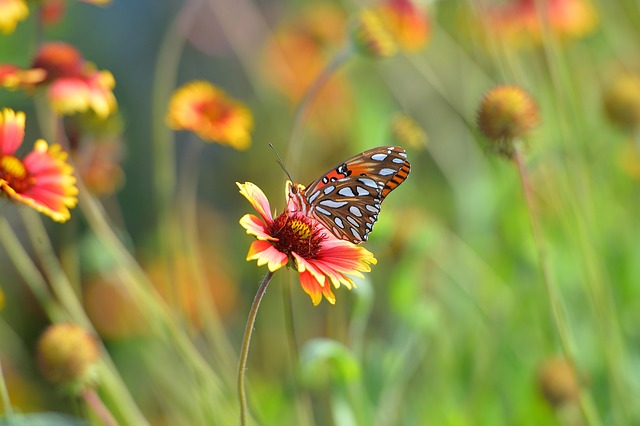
297 52
13 77
12 12
53 10
75 85
43 179
295 239
406 22
206 110
519 24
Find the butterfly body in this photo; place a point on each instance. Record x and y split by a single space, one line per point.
347 198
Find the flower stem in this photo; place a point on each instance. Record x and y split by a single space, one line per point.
93 400
295 143
4 396
246 341
555 302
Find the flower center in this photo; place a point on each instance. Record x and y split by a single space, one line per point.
13 172
296 233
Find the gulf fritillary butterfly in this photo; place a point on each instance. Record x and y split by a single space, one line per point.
347 198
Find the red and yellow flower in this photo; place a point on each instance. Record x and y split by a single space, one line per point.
42 179
406 22
206 110
520 23
12 12
74 84
300 241
13 77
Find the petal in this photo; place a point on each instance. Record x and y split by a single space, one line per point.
257 199
255 226
313 288
265 253
11 130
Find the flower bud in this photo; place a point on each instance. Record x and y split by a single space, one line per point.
67 355
507 113
622 102
557 382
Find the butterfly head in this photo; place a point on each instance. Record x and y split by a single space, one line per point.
296 201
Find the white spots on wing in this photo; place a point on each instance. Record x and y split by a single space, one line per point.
323 211
361 191
355 211
372 208
402 154
333 204
338 222
369 225
378 157
353 221
313 197
346 192
386 171
398 161
328 190
356 234
368 182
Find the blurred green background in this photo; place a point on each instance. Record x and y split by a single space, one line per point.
453 326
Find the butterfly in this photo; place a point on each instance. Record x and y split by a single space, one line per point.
347 198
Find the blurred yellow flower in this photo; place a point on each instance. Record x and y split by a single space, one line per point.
12 12
406 131
42 179
622 101
206 110
370 36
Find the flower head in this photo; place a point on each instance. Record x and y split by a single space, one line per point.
370 36
74 84
507 113
13 77
67 355
206 110
12 12
300 241
521 23
408 25
42 179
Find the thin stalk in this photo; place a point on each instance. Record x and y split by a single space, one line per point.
555 302
246 341
101 411
190 238
4 396
295 143
29 271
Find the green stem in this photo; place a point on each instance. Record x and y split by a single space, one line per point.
4 395
246 341
555 302
29 271
295 143
93 400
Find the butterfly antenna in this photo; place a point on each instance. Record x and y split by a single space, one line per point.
280 162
